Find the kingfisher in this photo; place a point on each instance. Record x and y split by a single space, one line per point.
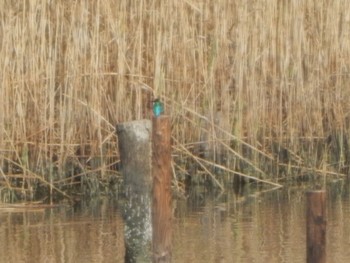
158 107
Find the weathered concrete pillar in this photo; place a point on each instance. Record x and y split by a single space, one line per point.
134 140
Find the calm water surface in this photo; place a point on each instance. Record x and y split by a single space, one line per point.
265 227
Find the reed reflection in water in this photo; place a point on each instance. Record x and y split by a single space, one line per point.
64 234
260 228
269 227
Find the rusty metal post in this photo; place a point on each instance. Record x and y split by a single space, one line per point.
316 226
161 197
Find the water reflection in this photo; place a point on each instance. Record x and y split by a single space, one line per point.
266 227
269 227
64 234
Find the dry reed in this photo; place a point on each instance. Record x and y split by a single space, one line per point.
272 75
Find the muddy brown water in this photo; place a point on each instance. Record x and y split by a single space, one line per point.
268 227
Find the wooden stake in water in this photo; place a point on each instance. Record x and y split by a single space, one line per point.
316 226
161 197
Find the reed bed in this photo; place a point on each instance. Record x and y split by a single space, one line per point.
263 83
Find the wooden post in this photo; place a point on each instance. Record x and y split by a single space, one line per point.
162 201
316 226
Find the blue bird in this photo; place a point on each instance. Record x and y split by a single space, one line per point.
158 107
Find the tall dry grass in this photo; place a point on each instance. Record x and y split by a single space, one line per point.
264 81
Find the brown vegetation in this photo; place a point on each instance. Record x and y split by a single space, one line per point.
265 81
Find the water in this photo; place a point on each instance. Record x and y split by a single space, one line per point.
265 227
